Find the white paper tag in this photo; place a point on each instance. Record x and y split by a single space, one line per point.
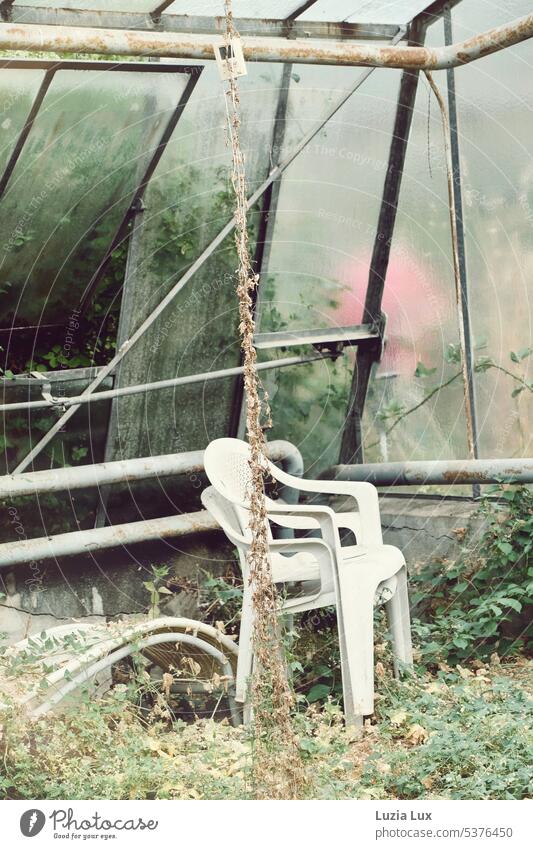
230 59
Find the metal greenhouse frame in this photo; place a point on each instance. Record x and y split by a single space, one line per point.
158 32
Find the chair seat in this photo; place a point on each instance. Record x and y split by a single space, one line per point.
384 561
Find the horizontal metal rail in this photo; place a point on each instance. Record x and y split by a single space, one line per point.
63 402
97 539
22 551
435 472
358 334
127 471
162 22
63 39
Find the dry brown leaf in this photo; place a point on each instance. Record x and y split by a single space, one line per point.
167 682
417 734
380 669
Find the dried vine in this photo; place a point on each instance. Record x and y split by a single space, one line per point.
277 767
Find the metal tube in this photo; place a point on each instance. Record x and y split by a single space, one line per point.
88 673
456 192
106 395
98 539
442 472
30 37
127 471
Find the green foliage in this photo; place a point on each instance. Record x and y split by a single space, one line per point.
459 736
221 598
482 602
156 588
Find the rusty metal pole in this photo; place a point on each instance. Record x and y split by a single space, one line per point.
64 39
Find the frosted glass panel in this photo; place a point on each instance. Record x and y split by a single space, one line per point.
495 102
99 5
366 11
74 180
241 8
188 202
322 240
17 92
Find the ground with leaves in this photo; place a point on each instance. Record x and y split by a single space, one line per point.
461 734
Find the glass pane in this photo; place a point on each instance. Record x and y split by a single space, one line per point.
323 235
495 103
188 202
17 92
405 416
365 11
98 5
89 146
308 404
241 8
83 442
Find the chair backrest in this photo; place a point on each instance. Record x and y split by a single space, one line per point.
223 511
227 465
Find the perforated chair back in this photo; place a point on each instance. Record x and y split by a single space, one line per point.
227 465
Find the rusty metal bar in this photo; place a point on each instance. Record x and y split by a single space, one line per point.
97 539
30 37
127 471
64 402
160 21
456 191
121 471
435 472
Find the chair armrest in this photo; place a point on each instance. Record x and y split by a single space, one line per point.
318 547
364 493
323 517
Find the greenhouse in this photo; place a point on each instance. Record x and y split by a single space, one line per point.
287 243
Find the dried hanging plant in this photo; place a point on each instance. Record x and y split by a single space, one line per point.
277 765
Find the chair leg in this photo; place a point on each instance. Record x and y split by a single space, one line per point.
400 623
245 657
357 622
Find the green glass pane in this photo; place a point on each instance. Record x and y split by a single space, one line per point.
188 202
17 92
89 146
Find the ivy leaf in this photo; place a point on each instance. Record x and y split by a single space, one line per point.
512 603
422 370
319 691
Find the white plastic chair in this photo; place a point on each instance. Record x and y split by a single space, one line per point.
350 577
